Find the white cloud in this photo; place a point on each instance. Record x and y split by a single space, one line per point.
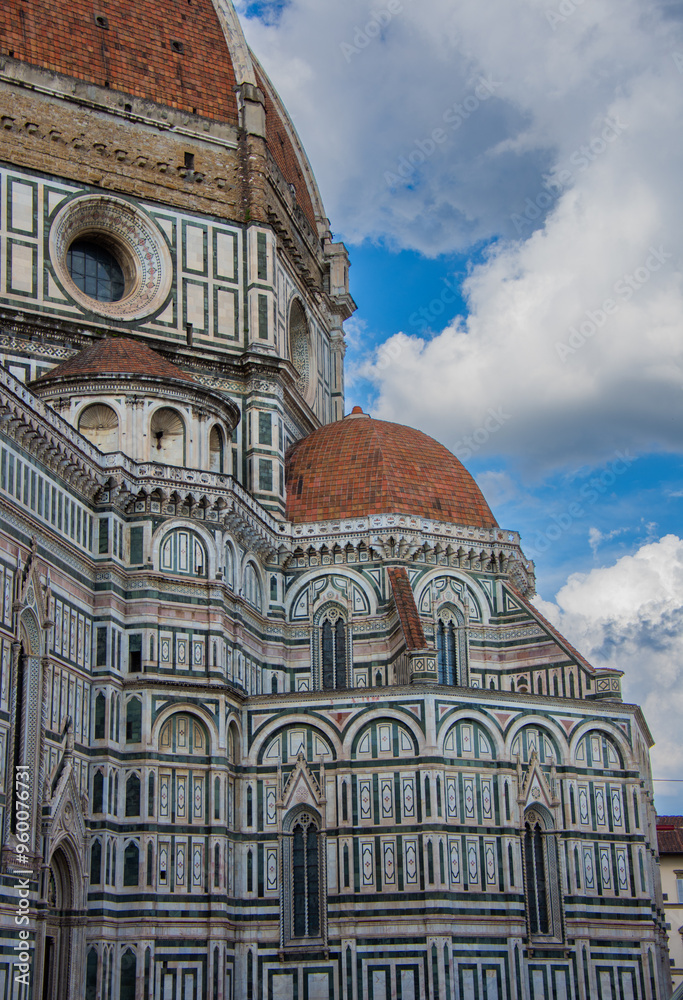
583 121
630 616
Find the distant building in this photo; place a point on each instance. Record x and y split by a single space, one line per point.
670 840
290 725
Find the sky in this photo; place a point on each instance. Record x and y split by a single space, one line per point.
507 178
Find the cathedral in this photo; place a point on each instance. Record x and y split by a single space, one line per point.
278 719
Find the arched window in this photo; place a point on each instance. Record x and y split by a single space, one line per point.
229 565
541 876
305 877
100 425
91 975
183 553
128 975
133 795
333 664
216 449
96 863
131 864
445 646
167 431
252 587
100 707
450 646
98 792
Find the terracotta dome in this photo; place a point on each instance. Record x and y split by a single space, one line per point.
191 57
114 356
359 466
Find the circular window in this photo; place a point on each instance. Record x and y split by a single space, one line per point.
95 271
110 257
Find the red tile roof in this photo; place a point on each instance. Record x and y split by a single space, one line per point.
134 53
283 152
115 356
359 466
670 834
404 599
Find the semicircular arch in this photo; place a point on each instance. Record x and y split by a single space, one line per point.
613 733
546 727
484 724
465 587
293 723
195 712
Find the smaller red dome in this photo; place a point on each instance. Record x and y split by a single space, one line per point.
359 466
114 356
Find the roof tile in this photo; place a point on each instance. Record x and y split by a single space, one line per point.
115 356
359 466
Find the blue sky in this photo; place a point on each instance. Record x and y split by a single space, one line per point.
507 179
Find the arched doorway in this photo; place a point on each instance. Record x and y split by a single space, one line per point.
64 919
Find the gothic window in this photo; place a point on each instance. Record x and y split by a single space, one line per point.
252 587
99 716
131 864
445 646
183 554
133 795
98 792
128 975
332 667
541 876
96 863
304 877
451 649
91 975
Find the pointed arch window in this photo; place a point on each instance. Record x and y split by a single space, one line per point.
305 879
541 877
304 866
131 864
451 650
333 665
